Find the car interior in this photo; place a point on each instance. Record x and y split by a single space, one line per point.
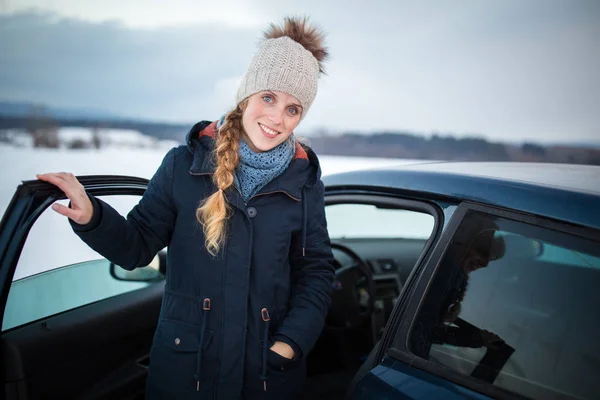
100 350
358 316
375 252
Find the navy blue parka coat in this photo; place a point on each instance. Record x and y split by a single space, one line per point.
220 315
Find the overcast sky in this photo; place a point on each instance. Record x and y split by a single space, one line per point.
507 70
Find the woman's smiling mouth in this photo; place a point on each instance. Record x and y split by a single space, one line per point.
268 132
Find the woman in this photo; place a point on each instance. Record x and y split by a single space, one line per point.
245 296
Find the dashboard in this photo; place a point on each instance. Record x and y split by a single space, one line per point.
391 261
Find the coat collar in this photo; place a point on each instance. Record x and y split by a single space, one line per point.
303 169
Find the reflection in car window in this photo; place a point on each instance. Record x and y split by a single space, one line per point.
347 221
560 255
62 289
518 306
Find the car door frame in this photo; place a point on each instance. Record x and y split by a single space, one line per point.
366 195
439 208
30 200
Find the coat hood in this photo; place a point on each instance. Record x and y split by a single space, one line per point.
304 169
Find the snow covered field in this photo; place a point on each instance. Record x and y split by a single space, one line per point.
51 243
20 164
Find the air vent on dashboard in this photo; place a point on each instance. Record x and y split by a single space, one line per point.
385 265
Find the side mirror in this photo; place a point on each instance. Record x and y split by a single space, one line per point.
153 272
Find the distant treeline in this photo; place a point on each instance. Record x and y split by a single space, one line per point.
158 130
412 146
378 144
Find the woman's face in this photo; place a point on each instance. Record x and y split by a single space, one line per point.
269 119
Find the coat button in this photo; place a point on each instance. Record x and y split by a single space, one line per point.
177 341
252 212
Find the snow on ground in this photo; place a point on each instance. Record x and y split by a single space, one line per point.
107 138
115 138
51 243
20 164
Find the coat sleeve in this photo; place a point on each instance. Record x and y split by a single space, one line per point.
133 241
312 275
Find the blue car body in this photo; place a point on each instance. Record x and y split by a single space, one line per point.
40 357
568 194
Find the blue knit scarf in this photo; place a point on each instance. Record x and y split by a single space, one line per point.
255 170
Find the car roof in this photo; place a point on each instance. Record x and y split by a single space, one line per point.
561 191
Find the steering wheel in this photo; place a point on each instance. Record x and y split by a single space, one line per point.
353 294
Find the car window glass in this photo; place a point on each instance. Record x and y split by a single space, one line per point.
560 255
516 305
390 240
51 242
62 289
369 221
57 271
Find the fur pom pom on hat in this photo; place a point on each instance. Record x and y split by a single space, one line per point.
288 60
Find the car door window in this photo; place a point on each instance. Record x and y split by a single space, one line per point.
389 238
57 271
52 244
517 306
370 221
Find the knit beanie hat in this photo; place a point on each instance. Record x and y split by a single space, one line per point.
288 60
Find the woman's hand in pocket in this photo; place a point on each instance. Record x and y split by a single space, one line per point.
283 349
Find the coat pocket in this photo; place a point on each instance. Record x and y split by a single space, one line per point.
285 375
279 362
174 359
182 337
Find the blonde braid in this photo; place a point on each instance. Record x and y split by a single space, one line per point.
214 211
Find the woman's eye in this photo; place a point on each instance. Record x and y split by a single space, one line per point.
268 99
293 110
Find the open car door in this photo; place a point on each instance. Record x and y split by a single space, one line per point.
73 325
